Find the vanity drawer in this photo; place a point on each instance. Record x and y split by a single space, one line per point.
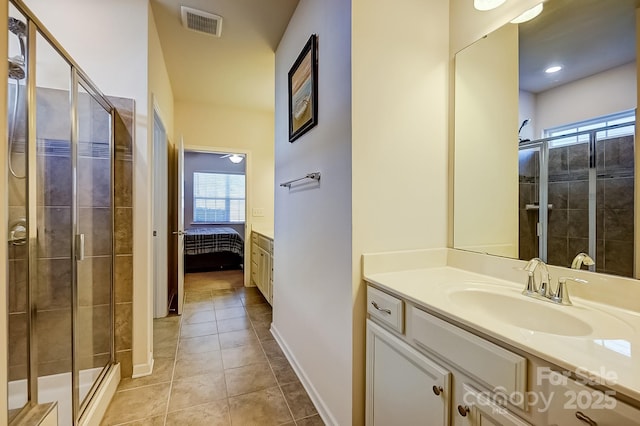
489 363
386 308
574 404
264 243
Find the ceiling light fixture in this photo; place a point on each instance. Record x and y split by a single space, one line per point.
529 14
553 69
235 158
487 4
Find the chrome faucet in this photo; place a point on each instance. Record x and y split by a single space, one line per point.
561 295
532 289
543 290
580 259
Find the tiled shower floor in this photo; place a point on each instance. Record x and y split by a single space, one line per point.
216 365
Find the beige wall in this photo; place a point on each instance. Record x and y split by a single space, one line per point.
160 92
228 129
486 150
400 80
4 149
605 93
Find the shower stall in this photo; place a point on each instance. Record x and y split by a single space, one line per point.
60 242
586 181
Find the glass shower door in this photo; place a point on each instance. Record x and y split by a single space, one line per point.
18 248
570 190
93 242
591 184
615 189
529 174
50 214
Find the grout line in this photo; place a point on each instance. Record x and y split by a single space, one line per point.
242 299
271 368
226 399
173 372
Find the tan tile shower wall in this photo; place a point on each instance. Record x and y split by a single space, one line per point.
124 128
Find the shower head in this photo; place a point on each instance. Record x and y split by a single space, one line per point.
524 123
16 69
17 27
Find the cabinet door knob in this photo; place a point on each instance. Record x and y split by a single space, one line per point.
584 418
463 410
437 389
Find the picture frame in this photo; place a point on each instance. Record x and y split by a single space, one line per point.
303 90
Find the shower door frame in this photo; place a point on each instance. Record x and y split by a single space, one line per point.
77 77
543 195
77 80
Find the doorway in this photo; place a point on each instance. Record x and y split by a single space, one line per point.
214 211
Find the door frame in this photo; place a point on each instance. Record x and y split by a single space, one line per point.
248 198
160 287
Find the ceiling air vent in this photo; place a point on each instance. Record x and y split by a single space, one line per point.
202 22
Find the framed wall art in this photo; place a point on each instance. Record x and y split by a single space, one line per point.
303 91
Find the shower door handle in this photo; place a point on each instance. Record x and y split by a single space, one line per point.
79 247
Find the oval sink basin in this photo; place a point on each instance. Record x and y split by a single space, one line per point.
522 311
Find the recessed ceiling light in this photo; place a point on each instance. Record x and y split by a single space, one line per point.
528 15
487 4
553 69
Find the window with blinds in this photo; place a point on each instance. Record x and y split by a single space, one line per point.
218 197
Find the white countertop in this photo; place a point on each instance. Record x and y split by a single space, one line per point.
265 231
612 348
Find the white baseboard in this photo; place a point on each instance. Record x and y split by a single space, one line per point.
322 408
101 400
141 370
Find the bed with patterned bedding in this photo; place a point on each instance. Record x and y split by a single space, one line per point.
212 248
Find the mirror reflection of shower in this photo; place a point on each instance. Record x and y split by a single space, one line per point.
583 172
17 73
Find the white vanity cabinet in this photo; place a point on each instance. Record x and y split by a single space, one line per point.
404 387
422 370
262 264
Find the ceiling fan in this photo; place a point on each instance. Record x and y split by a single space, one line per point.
234 158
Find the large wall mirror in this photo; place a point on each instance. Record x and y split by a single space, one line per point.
545 115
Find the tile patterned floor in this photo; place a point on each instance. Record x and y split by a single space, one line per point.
217 364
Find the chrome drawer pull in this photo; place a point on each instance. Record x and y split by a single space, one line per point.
386 311
582 417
